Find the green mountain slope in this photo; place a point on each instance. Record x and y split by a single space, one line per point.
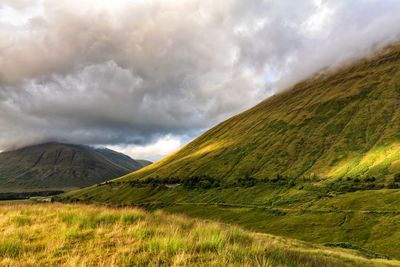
336 125
325 156
61 166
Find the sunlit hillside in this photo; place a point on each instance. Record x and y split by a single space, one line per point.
341 124
322 157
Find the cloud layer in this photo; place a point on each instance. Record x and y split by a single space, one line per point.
133 72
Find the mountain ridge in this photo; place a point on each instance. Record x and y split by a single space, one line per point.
61 165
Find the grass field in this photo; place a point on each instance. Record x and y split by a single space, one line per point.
369 219
87 235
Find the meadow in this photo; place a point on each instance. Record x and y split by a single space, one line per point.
368 219
89 235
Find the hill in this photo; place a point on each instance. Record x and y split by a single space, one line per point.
345 124
61 166
69 235
318 162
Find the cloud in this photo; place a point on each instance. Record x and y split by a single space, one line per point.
129 73
154 151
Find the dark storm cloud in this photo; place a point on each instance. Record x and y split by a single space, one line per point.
127 72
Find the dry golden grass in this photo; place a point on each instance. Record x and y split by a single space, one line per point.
87 235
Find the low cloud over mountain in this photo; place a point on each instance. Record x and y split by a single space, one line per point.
128 74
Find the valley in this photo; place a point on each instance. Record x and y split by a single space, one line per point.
318 162
368 219
274 127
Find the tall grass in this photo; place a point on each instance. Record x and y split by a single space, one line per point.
85 235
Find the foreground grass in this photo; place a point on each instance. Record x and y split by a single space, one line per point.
368 219
86 235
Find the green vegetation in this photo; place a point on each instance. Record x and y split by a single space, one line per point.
335 125
368 218
18 201
82 235
351 246
279 182
319 162
55 167
25 195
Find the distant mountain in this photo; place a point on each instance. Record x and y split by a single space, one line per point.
61 166
121 159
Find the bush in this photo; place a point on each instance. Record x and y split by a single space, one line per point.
370 179
393 185
247 181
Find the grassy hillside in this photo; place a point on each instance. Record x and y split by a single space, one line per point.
79 235
61 166
318 162
368 219
334 125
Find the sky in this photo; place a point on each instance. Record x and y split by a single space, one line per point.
145 77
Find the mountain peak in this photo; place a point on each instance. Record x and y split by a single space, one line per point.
61 165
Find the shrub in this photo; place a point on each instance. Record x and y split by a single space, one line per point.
372 179
393 185
247 181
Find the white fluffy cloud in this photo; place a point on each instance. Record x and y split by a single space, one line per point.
131 72
153 151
